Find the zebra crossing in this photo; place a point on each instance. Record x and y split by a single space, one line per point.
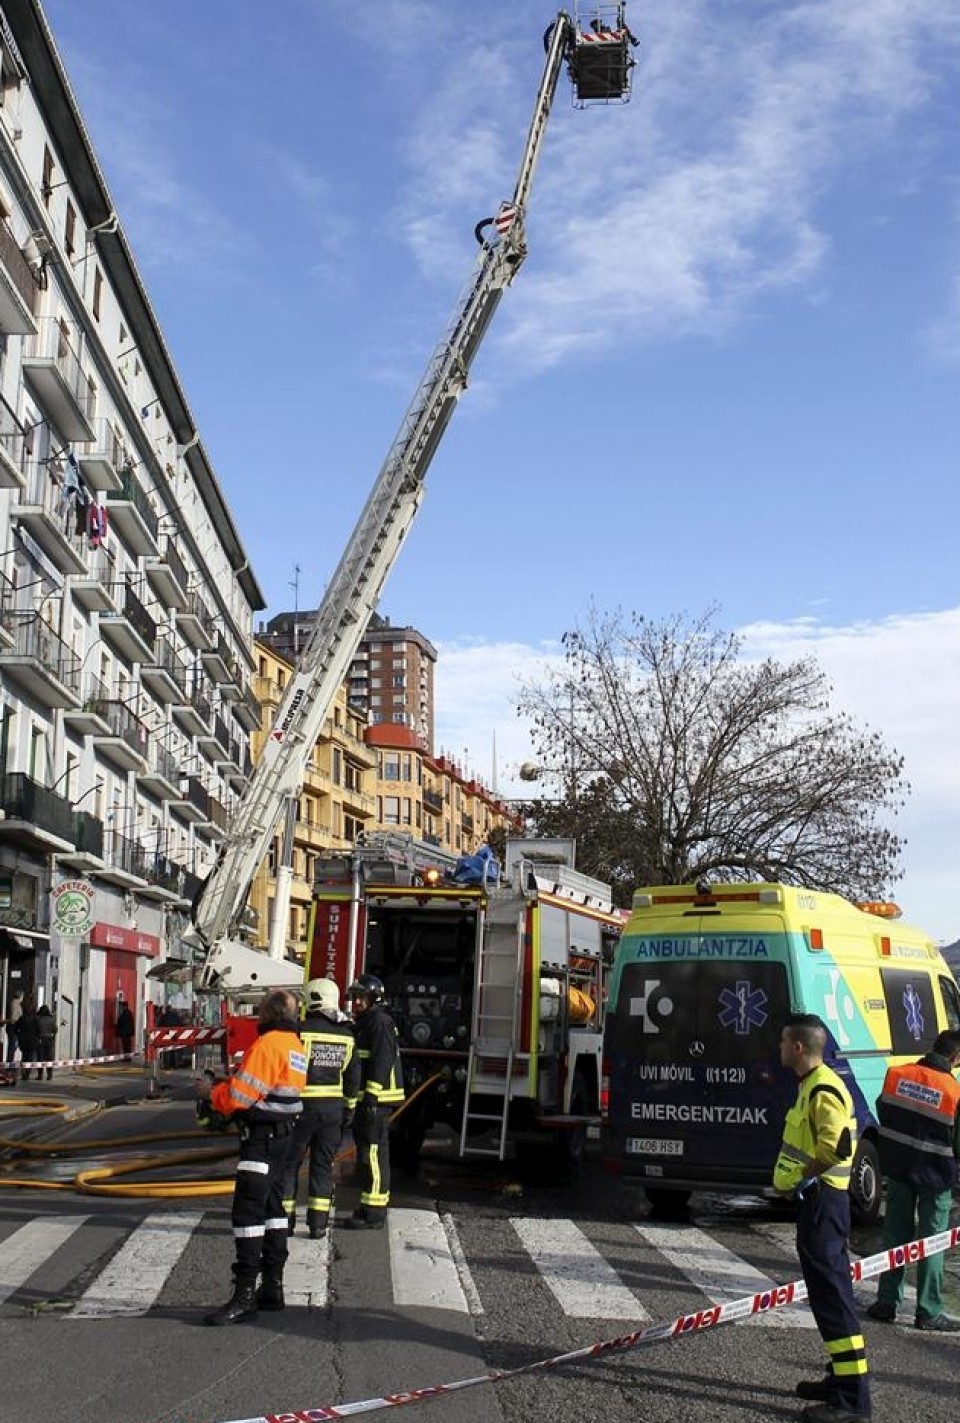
428 1266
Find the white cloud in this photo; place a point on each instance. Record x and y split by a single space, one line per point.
900 676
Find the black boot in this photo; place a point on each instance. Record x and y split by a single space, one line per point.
270 1293
241 1305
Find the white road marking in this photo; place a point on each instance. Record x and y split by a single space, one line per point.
23 1252
718 1272
421 1264
306 1275
132 1281
583 1283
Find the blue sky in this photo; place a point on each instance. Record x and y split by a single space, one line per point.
727 374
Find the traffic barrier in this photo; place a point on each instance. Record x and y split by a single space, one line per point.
163 1039
21 1066
767 1300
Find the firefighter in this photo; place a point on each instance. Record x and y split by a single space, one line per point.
333 1074
380 1088
813 1168
263 1095
919 1115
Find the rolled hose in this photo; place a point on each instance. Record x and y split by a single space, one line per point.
99 1180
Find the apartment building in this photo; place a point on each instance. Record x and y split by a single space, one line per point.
336 802
390 677
126 600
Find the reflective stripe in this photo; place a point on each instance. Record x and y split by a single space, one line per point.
276 1222
261 1168
318 1203
916 1143
248 1079
248 1232
844 1346
855 1366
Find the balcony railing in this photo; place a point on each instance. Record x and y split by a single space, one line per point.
433 801
123 724
138 617
166 659
25 799
165 764
35 638
13 439
174 562
18 268
122 853
197 794
218 814
8 597
52 343
131 493
88 833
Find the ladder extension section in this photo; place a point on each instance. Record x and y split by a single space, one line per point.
495 1031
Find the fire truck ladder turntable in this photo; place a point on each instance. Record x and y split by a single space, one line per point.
599 64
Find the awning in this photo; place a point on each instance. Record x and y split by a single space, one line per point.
27 939
171 971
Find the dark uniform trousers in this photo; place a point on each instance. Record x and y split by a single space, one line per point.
319 1130
371 1138
823 1225
259 1221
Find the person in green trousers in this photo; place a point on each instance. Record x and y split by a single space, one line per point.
919 1115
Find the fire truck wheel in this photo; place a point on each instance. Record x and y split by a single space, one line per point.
668 1205
571 1142
865 1188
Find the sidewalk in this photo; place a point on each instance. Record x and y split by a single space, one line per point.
82 1092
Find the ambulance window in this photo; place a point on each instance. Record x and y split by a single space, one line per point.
951 1002
910 1009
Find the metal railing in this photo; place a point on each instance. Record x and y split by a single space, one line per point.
166 660
131 493
174 562
52 343
123 724
13 437
36 639
106 442
121 853
23 798
138 617
8 598
88 833
18 268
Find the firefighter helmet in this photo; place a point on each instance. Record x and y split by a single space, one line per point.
367 986
322 996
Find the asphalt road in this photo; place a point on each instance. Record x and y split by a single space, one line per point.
484 1271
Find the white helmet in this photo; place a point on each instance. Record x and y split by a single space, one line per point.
322 996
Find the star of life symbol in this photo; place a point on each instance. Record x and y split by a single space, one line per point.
640 1007
743 1007
913 1008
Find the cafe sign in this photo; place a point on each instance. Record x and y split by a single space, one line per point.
71 908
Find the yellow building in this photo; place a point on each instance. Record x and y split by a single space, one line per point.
336 802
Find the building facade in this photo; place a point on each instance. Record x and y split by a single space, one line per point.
126 601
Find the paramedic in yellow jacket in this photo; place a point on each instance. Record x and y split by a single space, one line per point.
813 1168
263 1098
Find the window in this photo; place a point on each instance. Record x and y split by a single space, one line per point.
337 775
391 810
400 680
390 766
97 292
337 717
70 230
46 181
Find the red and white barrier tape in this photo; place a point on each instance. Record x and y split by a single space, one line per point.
777 1298
22 1066
185 1037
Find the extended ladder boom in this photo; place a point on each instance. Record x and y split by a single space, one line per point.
354 589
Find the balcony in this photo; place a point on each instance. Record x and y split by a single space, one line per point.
8 614
103 457
130 631
193 715
53 516
357 802
229 763
167 576
195 623
247 710
43 665
433 802
161 779
13 449
34 816
194 804
131 514
239 778
165 879
268 693
87 852
95 589
120 737
18 288
220 664
215 824
122 861
52 370
164 675
467 823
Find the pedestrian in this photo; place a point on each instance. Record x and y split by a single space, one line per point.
47 1024
28 1033
263 1095
379 1090
919 1114
332 1075
125 1027
14 1014
813 1168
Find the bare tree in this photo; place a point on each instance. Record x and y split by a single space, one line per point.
677 759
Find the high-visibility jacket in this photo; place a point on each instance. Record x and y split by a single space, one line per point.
821 1123
267 1084
333 1068
381 1076
919 1114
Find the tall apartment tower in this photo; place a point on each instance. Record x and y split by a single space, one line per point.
390 678
126 597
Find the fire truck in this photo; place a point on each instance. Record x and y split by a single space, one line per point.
496 983
594 46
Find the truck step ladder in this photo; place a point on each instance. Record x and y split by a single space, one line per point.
494 1038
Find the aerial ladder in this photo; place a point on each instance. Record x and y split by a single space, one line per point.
594 45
